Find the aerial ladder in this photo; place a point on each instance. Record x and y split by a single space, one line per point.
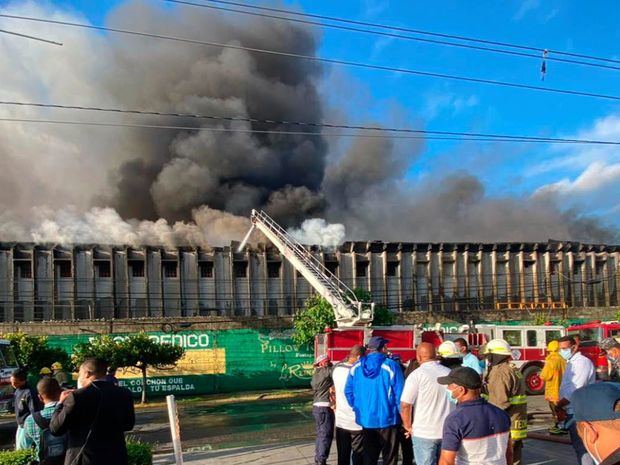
348 309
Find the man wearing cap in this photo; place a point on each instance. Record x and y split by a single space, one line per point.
597 413
322 408
349 440
429 403
579 373
476 432
373 389
611 347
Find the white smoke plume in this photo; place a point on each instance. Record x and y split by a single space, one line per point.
105 226
316 231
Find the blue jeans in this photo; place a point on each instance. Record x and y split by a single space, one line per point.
426 451
324 421
583 458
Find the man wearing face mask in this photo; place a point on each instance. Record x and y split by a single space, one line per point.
579 373
95 418
477 432
505 388
597 413
612 350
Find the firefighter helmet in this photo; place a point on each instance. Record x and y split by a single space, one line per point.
45 371
56 366
497 346
448 349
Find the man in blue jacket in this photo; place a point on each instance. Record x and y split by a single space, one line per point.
373 390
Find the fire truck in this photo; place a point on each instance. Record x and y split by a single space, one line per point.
528 342
590 334
353 317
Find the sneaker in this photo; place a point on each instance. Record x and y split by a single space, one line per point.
555 430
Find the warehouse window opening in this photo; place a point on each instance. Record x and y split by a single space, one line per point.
170 269
273 269
23 270
206 269
361 269
103 269
137 268
63 268
392 268
240 269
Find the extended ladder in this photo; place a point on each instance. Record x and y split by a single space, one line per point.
348 310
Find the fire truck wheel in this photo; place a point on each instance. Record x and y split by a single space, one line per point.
533 384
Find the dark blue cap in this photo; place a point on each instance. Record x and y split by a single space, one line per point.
376 343
596 402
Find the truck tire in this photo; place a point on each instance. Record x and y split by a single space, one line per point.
534 385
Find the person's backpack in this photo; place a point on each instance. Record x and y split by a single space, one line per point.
52 449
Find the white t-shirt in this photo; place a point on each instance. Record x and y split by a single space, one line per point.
431 404
345 417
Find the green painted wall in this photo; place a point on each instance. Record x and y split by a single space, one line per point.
220 361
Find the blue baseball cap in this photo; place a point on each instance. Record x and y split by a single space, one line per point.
376 343
596 402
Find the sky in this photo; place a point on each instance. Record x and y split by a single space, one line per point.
585 177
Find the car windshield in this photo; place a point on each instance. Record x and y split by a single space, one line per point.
8 356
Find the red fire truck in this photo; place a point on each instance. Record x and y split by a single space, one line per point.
529 343
590 334
529 347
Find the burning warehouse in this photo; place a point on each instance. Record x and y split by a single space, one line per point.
47 282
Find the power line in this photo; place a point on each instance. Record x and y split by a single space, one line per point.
430 136
332 61
310 124
381 33
53 42
404 29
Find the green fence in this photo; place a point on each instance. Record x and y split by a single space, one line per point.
220 361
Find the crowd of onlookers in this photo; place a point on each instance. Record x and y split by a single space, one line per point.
449 406
83 426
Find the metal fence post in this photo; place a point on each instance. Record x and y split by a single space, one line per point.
175 431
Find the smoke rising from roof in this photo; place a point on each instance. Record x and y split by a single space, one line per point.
171 187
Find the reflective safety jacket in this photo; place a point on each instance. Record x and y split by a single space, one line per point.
505 388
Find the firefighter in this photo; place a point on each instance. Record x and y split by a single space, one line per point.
504 387
45 373
60 375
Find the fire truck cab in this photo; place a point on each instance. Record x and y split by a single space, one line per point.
590 334
337 342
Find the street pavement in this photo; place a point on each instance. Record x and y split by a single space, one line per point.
535 452
280 446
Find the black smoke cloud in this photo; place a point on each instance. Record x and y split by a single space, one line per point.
173 172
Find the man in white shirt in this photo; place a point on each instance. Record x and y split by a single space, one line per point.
579 373
349 435
430 404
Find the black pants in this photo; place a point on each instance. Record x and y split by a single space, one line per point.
406 446
350 446
324 421
381 441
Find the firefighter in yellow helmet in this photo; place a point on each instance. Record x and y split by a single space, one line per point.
504 387
45 373
60 375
